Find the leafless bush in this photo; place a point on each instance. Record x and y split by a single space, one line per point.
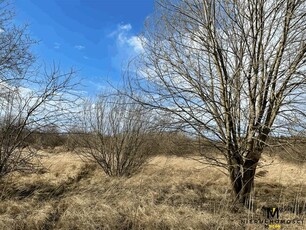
47 138
115 134
21 113
172 143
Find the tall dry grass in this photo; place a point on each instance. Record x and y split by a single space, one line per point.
170 193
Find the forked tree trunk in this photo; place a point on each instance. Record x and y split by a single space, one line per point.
242 178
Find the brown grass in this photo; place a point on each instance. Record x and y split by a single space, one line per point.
169 193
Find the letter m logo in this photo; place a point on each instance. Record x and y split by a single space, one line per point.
271 212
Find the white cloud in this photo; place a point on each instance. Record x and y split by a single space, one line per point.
121 28
2 30
79 47
126 27
136 43
85 57
126 40
128 45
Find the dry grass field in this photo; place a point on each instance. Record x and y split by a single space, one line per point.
170 193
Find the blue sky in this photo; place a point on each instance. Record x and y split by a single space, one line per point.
97 37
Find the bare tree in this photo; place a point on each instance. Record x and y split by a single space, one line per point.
25 110
231 71
116 134
29 98
15 43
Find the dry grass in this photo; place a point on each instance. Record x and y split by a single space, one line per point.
170 193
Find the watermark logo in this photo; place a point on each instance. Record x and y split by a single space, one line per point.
273 218
271 212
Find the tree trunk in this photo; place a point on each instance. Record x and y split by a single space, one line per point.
236 179
249 170
242 179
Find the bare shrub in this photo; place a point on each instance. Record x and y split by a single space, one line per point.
74 139
21 113
48 138
172 143
115 135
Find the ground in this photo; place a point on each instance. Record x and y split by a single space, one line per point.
169 193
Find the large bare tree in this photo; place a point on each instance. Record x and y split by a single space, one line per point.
233 71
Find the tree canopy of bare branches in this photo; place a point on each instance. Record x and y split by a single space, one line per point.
30 98
232 71
116 134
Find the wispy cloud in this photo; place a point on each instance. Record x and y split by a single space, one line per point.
121 28
79 47
136 42
56 45
126 27
85 57
128 45
125 39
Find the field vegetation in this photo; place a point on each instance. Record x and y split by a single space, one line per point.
172 191
206 131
